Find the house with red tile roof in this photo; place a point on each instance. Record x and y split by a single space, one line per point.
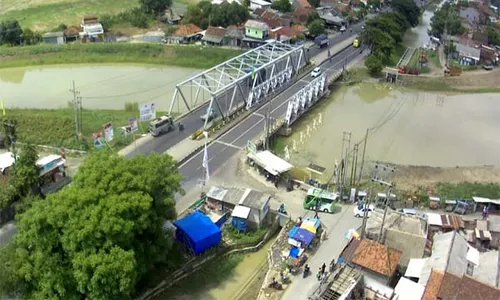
377 261
185 33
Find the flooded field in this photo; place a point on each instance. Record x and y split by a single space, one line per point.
101 87
405 127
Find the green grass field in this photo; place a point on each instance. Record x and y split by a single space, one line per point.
181 56
56 127
43 15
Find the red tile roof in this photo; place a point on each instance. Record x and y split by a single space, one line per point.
215 31
377 257
284 31
447 286
188 29
72 30
452 222
300 28
304 4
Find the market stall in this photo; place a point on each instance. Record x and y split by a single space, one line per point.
52 172
270 165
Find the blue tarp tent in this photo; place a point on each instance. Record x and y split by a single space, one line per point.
292 231
197 232
304 236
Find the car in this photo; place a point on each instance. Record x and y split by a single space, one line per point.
362 26
209 115
316 72
359 210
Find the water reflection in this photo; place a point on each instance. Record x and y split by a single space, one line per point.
408 127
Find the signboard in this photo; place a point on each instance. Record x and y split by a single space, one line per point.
251 147
99 142
108 132
132 122
147 112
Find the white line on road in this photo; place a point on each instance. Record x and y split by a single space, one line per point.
229 145
258 115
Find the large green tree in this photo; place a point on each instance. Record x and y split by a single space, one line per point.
316 27
374 64
388 25
205 14
97 237
446 19
10 33
408 9
282 5
156 7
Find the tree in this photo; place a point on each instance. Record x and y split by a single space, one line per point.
315 3
246 3
205 14
446 19
30 37
374 64
11 33
408 9
316 28
155 7
282 5
388 25
493 36
97 237
312 17
374 3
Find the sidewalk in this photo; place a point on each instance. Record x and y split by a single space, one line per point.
340 223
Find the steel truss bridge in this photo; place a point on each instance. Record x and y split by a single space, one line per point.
299 103
241 82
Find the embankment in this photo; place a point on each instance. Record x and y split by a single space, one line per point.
158 54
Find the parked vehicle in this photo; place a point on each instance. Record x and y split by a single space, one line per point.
410 71
359 210
488 66
209 115
161 125
357 42
321 40
316 72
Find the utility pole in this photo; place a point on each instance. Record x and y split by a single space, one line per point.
353 164
363 156
268 124
346 137
77 107
10 131
389 186
376 178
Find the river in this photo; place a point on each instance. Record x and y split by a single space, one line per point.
412 128
101 87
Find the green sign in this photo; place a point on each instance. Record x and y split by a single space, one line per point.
251 147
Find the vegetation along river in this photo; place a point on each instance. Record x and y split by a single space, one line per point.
406 127
101 87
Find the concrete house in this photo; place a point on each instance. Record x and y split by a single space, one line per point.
92 28
255 4
185 34
256 30
53 38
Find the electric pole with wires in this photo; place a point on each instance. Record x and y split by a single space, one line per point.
378 173
77 108
346 138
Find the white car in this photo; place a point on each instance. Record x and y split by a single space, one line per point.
316 72
359 211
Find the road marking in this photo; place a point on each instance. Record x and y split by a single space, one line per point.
228 144
305 81
257 114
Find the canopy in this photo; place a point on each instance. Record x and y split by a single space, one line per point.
292 231
197 232
309 227
294 252
303 236
311 224
270 162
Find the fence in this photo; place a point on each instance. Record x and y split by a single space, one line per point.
198 262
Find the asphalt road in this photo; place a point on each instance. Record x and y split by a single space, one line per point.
193 122
236 138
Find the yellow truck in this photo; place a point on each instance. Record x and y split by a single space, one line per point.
356 43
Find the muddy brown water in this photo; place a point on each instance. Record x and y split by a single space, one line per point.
101 87
407 127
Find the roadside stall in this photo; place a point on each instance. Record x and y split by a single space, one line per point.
269 165
450 205
52 173
434 202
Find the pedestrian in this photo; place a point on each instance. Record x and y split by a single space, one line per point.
484 212
323 268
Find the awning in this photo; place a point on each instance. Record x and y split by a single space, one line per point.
415 267
292 231
303 236
409 290
309 227
270 162
241 212
311 224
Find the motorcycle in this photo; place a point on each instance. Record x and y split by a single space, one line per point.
275 285
306 272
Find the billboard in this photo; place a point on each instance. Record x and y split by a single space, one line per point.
99 142
147 112
132 123
108 132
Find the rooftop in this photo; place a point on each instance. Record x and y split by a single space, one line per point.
247 197
6 160
256 24
187 29
396 221
444 285
53 34
215 31
376 257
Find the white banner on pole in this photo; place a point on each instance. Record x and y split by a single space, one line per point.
147 112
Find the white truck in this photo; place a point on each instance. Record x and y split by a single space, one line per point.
209 115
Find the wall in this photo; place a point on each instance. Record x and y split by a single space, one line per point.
411 245
255 33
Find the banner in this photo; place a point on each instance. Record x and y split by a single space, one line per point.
132 122
108 132
147 112
99 142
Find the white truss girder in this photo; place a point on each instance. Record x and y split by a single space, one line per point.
304 99
223 77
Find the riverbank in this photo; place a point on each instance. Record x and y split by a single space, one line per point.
56 127
95 53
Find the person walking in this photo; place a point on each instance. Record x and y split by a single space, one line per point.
323 268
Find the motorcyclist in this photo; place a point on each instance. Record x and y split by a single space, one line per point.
307 269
